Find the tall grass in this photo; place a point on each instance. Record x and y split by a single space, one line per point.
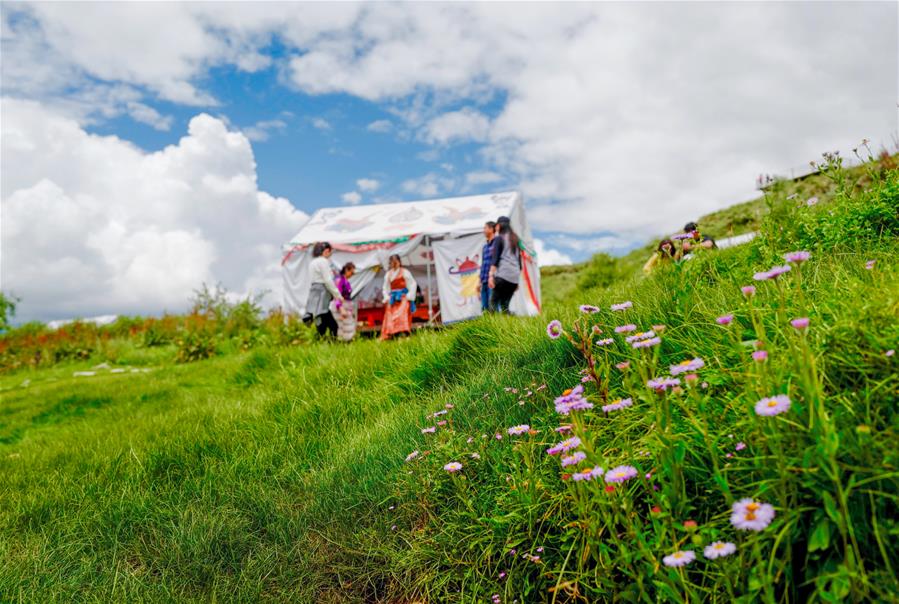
280 473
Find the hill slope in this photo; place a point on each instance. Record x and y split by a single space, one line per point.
282 473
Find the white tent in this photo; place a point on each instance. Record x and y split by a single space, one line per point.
439 241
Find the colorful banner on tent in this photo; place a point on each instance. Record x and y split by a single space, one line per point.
458 267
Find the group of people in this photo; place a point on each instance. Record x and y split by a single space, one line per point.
330 306
668 251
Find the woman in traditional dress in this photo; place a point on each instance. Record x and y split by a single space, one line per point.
345 311
505 269
399 298
322 289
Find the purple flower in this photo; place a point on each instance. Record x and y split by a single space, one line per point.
680 236
890 352
621 474
572 400
748 290
565 446
797 257
429 430
453 466
760 356
623 305
605 342
643 335
625 328
516 430
800 323
719 549
811 201
647 343
750 515
618 405
623 365
740 446
573 459
588 309
772 405
663 383
563 429
870 264
680 558
590 474
776 271
690 365
554 329
724 319
412 456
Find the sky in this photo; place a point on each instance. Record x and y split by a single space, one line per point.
148 148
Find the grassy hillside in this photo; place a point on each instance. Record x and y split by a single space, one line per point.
291 473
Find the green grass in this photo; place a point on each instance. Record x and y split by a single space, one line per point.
278 474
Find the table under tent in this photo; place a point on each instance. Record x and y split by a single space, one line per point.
439 241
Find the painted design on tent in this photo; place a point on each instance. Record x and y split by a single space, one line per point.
350 225
469 276
453 215
410 215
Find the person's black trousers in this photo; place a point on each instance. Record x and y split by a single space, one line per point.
325 323
501 295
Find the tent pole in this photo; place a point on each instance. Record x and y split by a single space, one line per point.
430 285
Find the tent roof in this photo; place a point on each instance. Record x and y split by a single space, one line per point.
391 221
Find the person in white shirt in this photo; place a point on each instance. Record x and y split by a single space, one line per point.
322 289
399 297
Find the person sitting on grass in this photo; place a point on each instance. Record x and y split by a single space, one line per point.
399 298
665 253
696 240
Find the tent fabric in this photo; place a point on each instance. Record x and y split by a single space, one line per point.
441 234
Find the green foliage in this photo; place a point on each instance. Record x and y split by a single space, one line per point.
600 272
7 310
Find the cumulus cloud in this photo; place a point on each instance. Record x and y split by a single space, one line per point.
549 257
429 185
263 129
464 125
482 177
382 126
352 198
368 184
93 224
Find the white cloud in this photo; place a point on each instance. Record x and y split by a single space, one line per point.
482 177
368 184
262 130
147 115
429 185
320 123
93 225
604 243
381 126
458 126
352 198
548 256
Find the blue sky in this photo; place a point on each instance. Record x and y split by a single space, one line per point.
136 135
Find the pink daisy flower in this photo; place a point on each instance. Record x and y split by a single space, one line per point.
797 257
554 329
663 383
412 456
800 323
453 466
572 400
516 430
588 309
776 271
563 429
750 515
647 343
565 446
622 306
740 446
772 405
573 459
605 342
870 264
623 365
625 328
811 201
429 430
621 474
688 365
760 356
590 474
679 558
890 352
724 319
719 549
640 336
618 405
748 290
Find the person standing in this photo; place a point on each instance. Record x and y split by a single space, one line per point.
322 289
505 268
345 311
399 299
486 262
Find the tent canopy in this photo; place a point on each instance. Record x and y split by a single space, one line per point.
440 241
